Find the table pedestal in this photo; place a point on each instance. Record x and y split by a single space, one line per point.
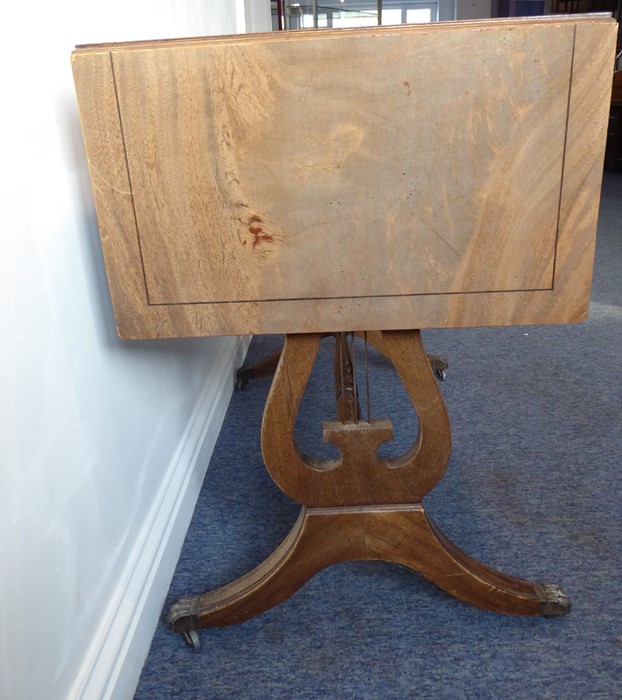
360 505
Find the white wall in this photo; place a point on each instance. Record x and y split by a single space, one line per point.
258 16
102 442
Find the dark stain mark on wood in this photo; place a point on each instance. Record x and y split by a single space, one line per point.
256 231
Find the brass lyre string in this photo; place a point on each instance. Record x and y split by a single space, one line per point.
367 377
339 340
354 384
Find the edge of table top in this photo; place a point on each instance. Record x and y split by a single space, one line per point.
309 34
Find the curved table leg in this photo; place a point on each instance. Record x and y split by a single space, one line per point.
264 368
408 536
313 544
400 534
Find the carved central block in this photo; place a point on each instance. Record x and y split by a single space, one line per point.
354 440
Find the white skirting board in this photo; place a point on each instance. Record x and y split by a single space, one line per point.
112 665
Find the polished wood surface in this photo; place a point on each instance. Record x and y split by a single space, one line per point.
424 176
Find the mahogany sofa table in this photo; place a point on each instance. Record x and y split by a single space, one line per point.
444 176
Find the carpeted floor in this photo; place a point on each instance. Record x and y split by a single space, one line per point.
533 488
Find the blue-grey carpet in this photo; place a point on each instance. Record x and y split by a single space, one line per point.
533 488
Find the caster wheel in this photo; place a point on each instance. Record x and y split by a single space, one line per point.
192 639
441 374
240 383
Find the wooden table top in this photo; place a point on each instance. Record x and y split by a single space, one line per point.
393 177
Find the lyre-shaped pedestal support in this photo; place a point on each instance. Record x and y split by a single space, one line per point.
360 506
